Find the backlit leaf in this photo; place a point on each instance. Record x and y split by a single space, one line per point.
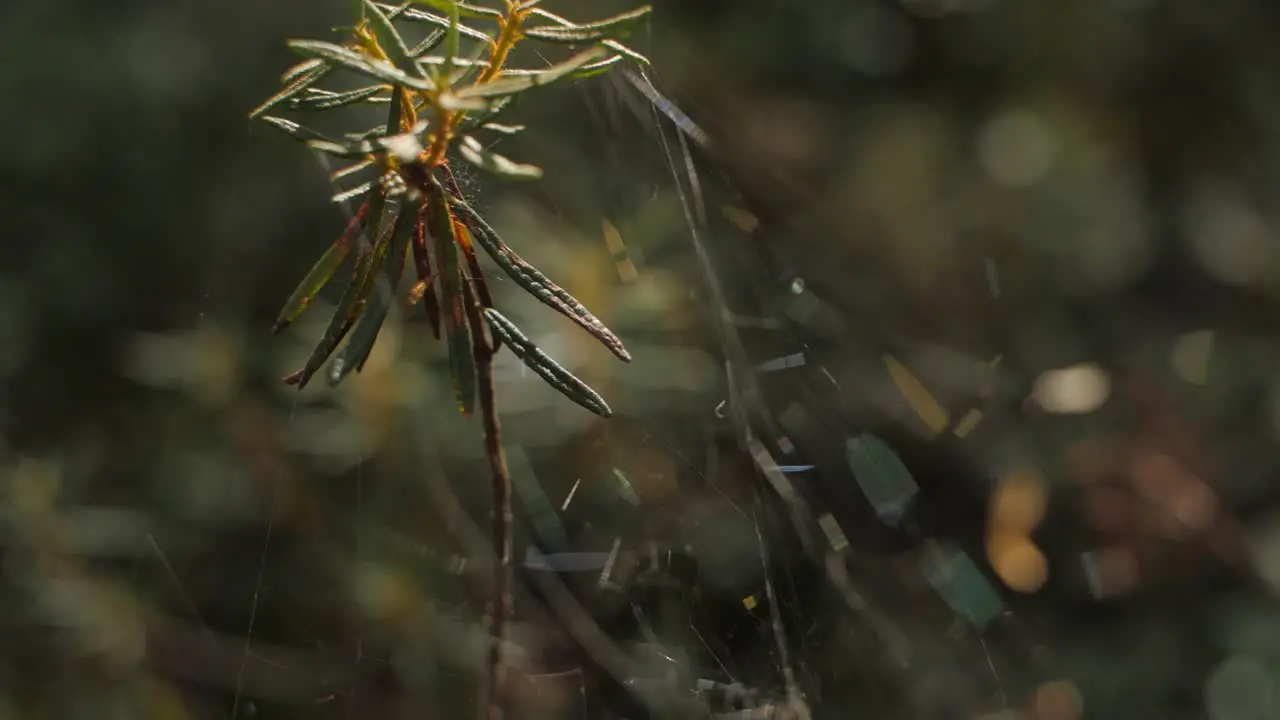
423 16
321 273
542 364
316 70
389 39
356 352
511 84
529 278
461 362
613 45
473 152
361 63
611 28
352 301
316 99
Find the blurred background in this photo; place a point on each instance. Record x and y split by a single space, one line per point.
954 391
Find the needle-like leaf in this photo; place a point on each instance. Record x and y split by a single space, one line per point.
361 63
473 152
422 263
295 131
356 351
461 363
416 15
389 39
613 45
316 99
542 364
512 84
529 278
321 273
611 28
352 301
353 193
297 81
299 70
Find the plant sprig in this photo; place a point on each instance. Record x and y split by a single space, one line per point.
439 101
414 215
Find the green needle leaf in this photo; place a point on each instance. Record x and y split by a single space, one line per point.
461 360
316 99
295 131
321 273
389 39
416 15
502 129
611 28
613 45
352 300
463 9
367 264
542 364
361 63
512 84
300 69
297 81
473 152
537 284
357 349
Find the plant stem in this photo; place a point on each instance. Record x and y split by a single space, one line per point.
508 35
500 602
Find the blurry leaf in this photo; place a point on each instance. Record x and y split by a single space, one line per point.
367 264
430 43
461 363
453 103
464 68
295 131
881 474
495 108
596 68
352 169
353 193
537 284
450 36
317 69
346 150
473 152
502 129
544 366
509 85
360 63
356 352
321 273
925 405
615 27
389 39
397 144
537 506
349 305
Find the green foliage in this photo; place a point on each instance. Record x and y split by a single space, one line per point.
436 103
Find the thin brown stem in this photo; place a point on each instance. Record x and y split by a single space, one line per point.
500 603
